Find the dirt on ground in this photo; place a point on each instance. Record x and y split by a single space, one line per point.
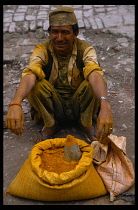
116 57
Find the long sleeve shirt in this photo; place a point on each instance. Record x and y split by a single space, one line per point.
45 64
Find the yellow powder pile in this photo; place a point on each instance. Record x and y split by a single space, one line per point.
53 159
70 141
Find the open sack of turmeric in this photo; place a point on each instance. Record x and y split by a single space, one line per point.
113 166
72 179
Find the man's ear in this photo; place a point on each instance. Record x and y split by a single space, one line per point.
76 34
49 30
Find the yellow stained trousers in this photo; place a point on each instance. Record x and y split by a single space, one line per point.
50 106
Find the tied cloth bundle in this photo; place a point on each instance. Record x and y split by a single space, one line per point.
113 166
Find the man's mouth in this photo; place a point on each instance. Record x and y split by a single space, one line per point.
60 44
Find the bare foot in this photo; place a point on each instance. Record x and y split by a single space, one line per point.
90 137
89 132
47 132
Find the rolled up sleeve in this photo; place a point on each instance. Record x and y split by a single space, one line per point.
38 59
90 62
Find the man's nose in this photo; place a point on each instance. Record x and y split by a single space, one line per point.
59 37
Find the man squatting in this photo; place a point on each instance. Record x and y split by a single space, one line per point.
63 83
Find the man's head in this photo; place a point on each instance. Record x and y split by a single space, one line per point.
63 29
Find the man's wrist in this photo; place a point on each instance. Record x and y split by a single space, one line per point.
12 104
103 98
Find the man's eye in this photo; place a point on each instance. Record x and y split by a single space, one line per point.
54 32
65 32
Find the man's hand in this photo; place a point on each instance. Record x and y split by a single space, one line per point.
15 119
104 121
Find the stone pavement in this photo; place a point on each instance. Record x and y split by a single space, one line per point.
116 18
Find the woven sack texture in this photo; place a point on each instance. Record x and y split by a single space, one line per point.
32 182
116 171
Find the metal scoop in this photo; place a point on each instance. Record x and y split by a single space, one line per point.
71 149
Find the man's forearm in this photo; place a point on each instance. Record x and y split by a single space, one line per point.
98 85
105 118
25 86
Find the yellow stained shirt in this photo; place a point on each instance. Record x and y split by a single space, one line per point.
39 58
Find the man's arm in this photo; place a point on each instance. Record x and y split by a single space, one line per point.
105 119
15 117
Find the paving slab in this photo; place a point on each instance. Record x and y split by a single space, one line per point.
110 16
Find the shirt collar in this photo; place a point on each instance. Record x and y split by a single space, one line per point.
74 51
51 47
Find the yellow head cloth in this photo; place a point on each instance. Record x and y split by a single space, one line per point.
62 16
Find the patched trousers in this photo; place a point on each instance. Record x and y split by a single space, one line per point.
46 103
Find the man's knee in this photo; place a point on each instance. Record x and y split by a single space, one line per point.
41 87
85 88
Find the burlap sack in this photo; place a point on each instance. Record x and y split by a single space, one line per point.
83 182
113 166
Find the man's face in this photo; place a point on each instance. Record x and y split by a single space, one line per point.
62 38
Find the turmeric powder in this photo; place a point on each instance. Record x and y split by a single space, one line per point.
70 141
61 159
53 161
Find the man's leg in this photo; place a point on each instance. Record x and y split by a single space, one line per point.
85 105
47 104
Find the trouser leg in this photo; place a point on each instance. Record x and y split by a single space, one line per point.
46 102
85 104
